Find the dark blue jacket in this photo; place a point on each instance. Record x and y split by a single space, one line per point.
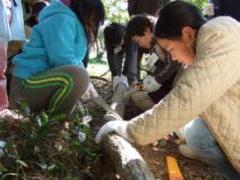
227 8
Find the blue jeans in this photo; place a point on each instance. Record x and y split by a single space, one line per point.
202 142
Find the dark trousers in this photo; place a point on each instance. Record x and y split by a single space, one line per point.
131 68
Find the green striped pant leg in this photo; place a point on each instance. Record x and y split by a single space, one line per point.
56 91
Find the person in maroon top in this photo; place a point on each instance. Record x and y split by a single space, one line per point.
151 7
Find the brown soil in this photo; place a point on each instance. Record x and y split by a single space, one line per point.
191 169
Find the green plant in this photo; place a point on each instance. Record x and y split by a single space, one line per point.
52 146
116 11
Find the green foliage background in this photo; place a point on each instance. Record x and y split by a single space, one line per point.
199 3
116 10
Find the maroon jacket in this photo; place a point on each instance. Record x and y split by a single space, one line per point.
151 7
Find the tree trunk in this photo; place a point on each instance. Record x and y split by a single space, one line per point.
127 161
117 99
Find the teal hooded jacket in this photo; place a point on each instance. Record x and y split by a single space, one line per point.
59 39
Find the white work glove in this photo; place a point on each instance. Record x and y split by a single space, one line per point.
119 79
112 115
151 60
150 84
117 49
89 93
117 126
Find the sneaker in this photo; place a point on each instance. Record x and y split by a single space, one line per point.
186 151
7 114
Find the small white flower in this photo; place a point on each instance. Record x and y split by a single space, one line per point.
81 136
87 119
2 145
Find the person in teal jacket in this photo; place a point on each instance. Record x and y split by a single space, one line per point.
49 73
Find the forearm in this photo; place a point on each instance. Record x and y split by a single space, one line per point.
158 122
130 68
114 62
193 94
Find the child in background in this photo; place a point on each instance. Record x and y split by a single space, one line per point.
118 50
161 69
15 47
11 28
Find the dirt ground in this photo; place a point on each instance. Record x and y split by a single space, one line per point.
155 156
101 168
191 169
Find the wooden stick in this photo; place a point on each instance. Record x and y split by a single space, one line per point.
117 99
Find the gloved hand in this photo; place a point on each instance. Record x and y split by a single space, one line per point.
117 49
117 126
89 93
151 60
150 84
119 79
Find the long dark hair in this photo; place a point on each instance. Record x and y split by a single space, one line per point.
176 15
91 13
113 34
